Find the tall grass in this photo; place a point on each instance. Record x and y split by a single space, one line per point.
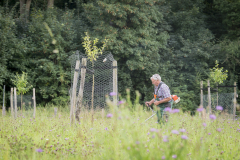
117 133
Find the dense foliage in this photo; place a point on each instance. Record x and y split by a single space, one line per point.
180 40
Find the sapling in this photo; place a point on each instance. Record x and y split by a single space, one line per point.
92 52
21 84
217 75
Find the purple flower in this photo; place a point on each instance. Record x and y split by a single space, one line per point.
128 148
209 133
153 130
220 108
219 129
200 109
212 116
182 130
147 150
66 138
113 94
168 109
175 132
137 142
165 138
120 102
109 115
106 128
204 124
163 157
184 137
39 150
175 111
174 156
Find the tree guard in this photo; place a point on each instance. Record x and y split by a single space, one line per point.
104 71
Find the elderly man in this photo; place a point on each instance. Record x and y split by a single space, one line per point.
162 97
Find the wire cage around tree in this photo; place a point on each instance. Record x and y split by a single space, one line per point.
98 79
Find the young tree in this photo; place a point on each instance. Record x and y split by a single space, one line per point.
92 52
21 83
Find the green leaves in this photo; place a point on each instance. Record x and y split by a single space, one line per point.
217 74
21 83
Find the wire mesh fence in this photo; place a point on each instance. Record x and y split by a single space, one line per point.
223 99
24 105
98 79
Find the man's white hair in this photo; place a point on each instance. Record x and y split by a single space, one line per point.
156 77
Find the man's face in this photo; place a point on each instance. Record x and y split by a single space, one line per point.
155 82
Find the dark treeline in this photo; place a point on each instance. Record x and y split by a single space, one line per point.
179 39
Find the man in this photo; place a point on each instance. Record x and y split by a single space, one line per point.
162 97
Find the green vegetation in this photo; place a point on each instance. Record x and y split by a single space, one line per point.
118 133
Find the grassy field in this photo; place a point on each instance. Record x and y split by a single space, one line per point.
117 133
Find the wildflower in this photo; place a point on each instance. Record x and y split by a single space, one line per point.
148 133
153 136
66 138
39 150
113 94
120 102
174 156
106 128
163 157
128 148
109 115
219 129
200 109
147 150
212 116
184 137
165 138
209 133
175 111
220 108
168 109
137 142
182 130
153 130
175 132
204 124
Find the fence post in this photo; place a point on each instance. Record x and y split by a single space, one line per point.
217 94
115 82
75 79
34 103
55 111
3 107
209 98
235 100
11 102
15 101
81 88
201 98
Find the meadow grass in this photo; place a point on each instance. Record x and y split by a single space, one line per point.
117 133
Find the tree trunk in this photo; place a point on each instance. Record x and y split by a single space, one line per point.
50 3
22 8
28 3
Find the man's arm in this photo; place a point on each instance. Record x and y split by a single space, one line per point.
165 100
150 103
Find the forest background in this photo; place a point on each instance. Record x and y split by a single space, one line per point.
178 39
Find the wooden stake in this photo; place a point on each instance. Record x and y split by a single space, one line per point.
81 88
15 101
34 103
235 100
73 100
3 107
11 102
115 82
209 98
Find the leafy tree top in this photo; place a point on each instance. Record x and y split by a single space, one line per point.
217 74
21 83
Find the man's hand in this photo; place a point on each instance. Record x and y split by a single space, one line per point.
156 103
147 104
